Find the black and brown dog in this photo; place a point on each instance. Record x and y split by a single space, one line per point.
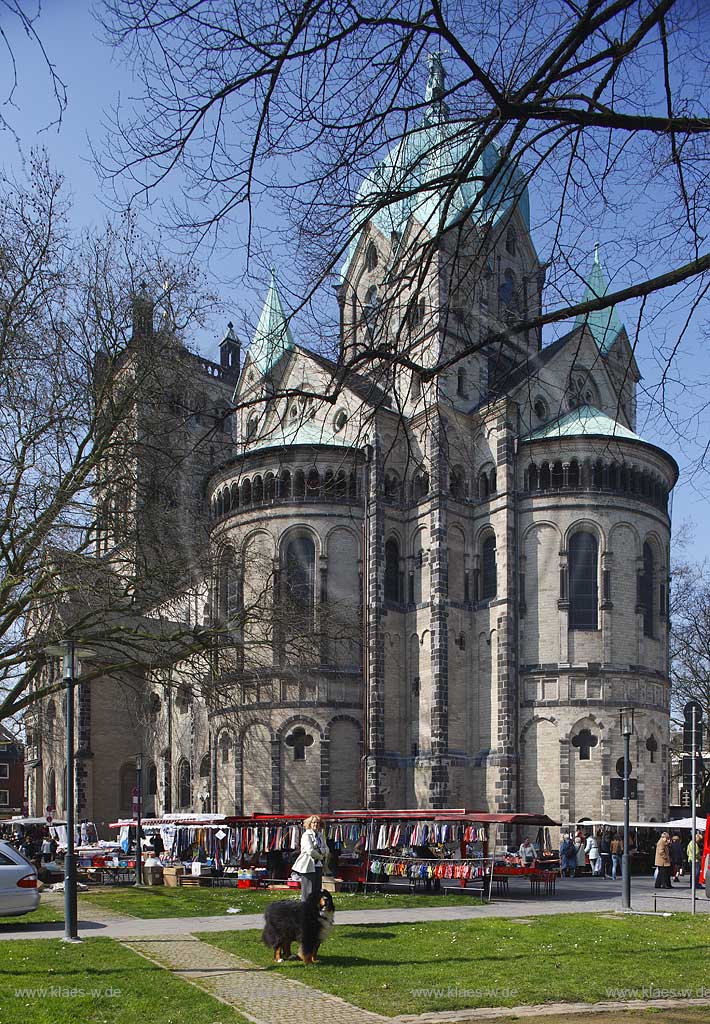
308 923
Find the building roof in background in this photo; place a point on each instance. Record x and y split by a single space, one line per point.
585 421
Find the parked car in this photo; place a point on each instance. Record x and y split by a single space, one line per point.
18 883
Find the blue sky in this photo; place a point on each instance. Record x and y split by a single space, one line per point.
95 80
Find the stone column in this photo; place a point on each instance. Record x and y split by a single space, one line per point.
375 558
439 615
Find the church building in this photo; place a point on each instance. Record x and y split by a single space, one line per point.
435 563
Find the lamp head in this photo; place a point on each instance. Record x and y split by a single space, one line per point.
626 721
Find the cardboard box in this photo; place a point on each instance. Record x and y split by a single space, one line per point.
171 876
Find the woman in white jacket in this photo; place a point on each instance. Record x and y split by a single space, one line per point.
592 851
309 863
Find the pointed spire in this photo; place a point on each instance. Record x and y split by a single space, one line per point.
605 324
272 336
437 110
229 354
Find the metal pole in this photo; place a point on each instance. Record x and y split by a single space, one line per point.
139 848
694 783
625 874
70 912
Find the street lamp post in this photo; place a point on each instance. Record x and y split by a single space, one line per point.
626 721
139 794
69 652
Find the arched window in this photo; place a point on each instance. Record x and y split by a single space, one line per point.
510 242
341 484
269 487
456 483
51 788
257 495
246 492
371 257
235 496
392 485
421 486
533 478
299 485
483 486
645 591
573 474
313 484
300 580
329 484
230 609
226 500
370 311
461 383
507 291
151 780
285 484
392 576
489 572
184 784
205 767
557 476
583 586
252 426
51 717
224 748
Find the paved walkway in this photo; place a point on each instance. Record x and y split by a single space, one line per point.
573 896
265 997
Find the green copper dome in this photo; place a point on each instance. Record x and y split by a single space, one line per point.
585 421
414 179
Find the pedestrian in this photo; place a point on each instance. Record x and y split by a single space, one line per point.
592 851
676 852
605 851
568 856
698 857
526 852
46 850
663 863
309 863
616 847
580 848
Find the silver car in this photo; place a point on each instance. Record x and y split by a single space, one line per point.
18 883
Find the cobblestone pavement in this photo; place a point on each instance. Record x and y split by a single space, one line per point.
261 996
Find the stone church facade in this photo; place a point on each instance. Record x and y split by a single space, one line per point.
428 589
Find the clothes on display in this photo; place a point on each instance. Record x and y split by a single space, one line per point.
478 867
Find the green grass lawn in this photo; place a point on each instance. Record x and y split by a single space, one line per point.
97 982
497 962
44 913
163 902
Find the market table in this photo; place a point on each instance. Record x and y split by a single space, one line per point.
539 876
